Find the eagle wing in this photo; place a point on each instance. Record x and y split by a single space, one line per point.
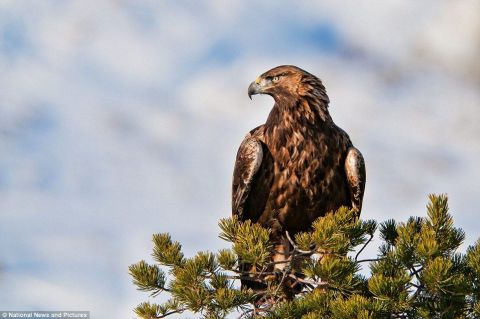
251 184
356 177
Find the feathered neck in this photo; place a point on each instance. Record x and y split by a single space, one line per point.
312 90
308 107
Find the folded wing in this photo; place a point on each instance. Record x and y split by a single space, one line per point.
251 181
356 177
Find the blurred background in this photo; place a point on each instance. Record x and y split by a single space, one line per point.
120 119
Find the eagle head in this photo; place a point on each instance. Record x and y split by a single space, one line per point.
290 83
281 81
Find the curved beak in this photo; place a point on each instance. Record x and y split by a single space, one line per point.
254 88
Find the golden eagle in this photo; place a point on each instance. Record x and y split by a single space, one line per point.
297 166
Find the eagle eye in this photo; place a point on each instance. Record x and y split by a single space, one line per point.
275 78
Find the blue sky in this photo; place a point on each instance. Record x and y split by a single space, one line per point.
120 119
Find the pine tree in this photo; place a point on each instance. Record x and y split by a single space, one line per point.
418 272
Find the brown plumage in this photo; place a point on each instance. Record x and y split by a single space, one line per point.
298 165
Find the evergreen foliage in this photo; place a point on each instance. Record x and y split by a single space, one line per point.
418 272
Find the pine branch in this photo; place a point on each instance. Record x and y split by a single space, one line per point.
363 247
416 274
295 247
172 312
368 260
148 278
